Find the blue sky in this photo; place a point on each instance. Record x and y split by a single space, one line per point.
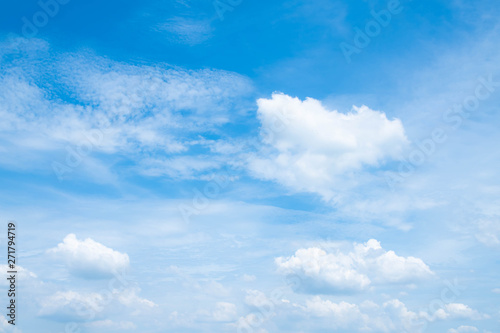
226 166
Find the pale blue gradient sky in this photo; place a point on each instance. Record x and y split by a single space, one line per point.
191 150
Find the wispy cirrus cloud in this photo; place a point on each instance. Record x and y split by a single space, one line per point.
83 103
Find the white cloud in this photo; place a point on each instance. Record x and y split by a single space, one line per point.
224 311
391 316
321 270
251 323
93 106
129 297
463 329
89 258
22 274
186 31
342 313
248 278
309 148
183 167
402 317
365 264
459 310
489 231
257 299
84 307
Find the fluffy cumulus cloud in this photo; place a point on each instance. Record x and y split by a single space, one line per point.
90 259
488 231
5 326
314 313
310 148
343 314
391 316
317 312
401 318
130 298
458 310
365 264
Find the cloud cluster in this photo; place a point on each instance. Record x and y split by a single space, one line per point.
93 308
367 316
391 316
343 314
90 259
355 270
81 105
310 148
